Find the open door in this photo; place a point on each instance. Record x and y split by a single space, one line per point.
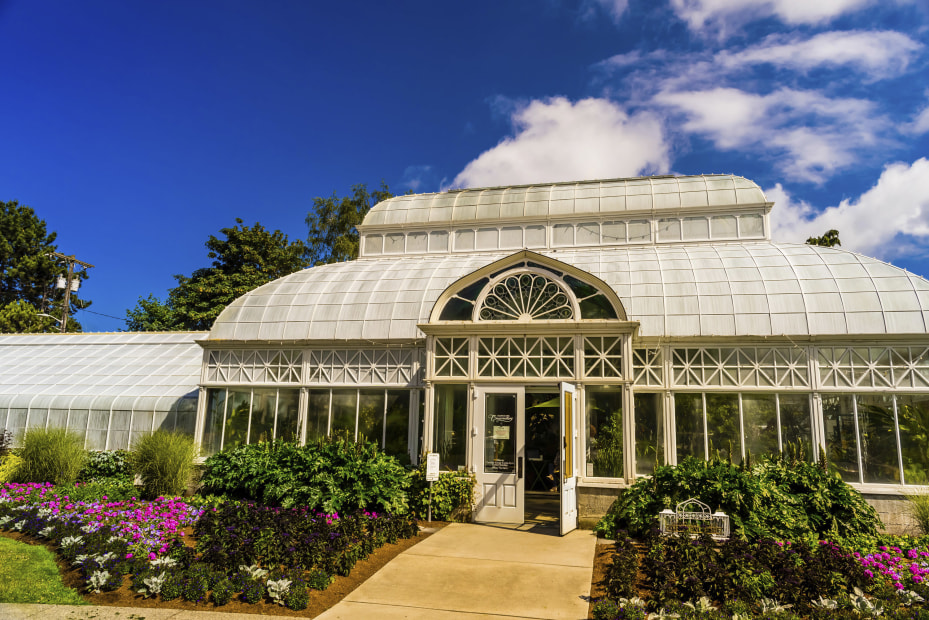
499 454
569 437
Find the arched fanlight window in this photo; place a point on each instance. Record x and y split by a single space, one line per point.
525 292
525 297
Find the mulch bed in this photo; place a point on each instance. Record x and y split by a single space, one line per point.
320 601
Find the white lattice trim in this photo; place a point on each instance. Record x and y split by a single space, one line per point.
603 356
452 357
526 356
364 366
648 367
255 366
740 367
876 367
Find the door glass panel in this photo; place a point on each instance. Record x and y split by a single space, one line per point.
913 416
264 402
841 443
343 412
878 439
317 415
288 404
605 432
542 441
722 426
688 421
500 433
795 423
649 433
371 416
760 421
451 420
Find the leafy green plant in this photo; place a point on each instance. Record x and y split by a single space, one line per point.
332 475
115 490
223 591
9 463
297 598
778 497
621 574
918 507
53 455
253 591
107 465
452 495
164 460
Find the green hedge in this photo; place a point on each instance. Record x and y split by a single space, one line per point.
452 495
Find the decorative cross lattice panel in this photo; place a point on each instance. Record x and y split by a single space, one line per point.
451 357
364 366
525 356
255 366
603 356
648 367
524 297
874 367
741 367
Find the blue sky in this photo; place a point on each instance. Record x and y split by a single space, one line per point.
137 129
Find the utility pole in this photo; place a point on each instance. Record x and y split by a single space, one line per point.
67 304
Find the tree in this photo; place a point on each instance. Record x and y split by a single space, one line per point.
28 273
332 222
830 239
244 260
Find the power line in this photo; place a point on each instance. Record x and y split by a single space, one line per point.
109 316
67 303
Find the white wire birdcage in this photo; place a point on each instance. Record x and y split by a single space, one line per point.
693 517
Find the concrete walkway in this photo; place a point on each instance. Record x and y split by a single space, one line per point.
462 572
469 571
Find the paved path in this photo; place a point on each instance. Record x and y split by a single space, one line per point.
462 572
468 572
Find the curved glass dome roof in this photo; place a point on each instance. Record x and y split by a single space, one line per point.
583 198
727 289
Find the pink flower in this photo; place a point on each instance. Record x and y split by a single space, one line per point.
151 556
128 556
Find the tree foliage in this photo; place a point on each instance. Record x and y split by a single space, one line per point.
244 260
829 240
28 273
333 223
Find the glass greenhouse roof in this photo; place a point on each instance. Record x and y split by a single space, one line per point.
564 200
131 371
749 288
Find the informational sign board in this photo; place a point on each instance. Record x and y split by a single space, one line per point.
432 467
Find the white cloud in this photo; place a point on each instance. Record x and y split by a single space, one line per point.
615 8
877 223
723 16
879 54
416 177
810 134
921 124
557 140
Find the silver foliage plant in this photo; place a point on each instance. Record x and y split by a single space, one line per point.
278 589
153 585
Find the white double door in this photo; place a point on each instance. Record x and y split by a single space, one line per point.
499 455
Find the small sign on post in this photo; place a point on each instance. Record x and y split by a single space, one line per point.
432 474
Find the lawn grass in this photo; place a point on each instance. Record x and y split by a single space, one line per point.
29 574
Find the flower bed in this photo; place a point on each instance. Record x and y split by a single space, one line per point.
250 552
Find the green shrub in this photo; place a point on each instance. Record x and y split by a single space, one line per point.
171 588
164 460
917 506
622 571
779 497
53 455
332 475
297 598
253 592
9 463
452 495
319 579
223 592
113 490
106 465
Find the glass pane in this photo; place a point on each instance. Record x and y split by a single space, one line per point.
237 418
614 232
724 227
457 310
288 407
604 432
722 426
371 416
597 307
841 443
393 243
396 442
416 242
795 423
751 226
696 228
878 438
688 426
649 433
913 416
759 412
535 236
451 422
213 425
438 241
264 403
487 239
640 230
317 415
464 240
500 433
374 244
669 230
511 237
588 234
563 234
542 440
343 412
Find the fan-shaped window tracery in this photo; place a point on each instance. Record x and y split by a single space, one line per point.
525 297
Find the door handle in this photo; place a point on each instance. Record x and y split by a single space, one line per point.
519 467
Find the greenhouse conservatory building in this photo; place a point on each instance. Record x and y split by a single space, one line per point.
565 338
